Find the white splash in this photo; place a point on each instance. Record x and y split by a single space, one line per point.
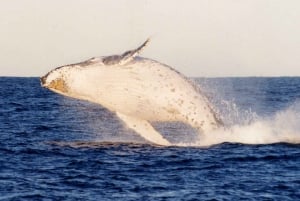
284 126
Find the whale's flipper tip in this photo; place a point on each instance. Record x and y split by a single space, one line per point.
131 54
145 129
126 57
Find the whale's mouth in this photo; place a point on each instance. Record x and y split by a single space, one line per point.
43 80
55 85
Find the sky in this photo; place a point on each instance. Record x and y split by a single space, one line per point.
200 38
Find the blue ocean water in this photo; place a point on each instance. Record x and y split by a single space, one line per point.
57 148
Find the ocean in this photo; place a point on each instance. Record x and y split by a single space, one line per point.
57 148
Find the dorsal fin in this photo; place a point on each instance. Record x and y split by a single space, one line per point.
125 57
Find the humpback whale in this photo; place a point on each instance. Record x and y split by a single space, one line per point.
138 90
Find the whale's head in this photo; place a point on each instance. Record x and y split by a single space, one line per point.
67 80
56 80
72 79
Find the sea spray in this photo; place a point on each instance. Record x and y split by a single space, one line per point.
283 126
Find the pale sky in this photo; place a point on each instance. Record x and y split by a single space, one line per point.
203 38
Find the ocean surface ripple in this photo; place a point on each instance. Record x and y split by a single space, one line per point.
57 148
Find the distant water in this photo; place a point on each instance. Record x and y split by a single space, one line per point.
57 148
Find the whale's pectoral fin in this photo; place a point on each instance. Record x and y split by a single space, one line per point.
145 129
126 57
129 55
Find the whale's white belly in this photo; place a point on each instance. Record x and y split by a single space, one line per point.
145 89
